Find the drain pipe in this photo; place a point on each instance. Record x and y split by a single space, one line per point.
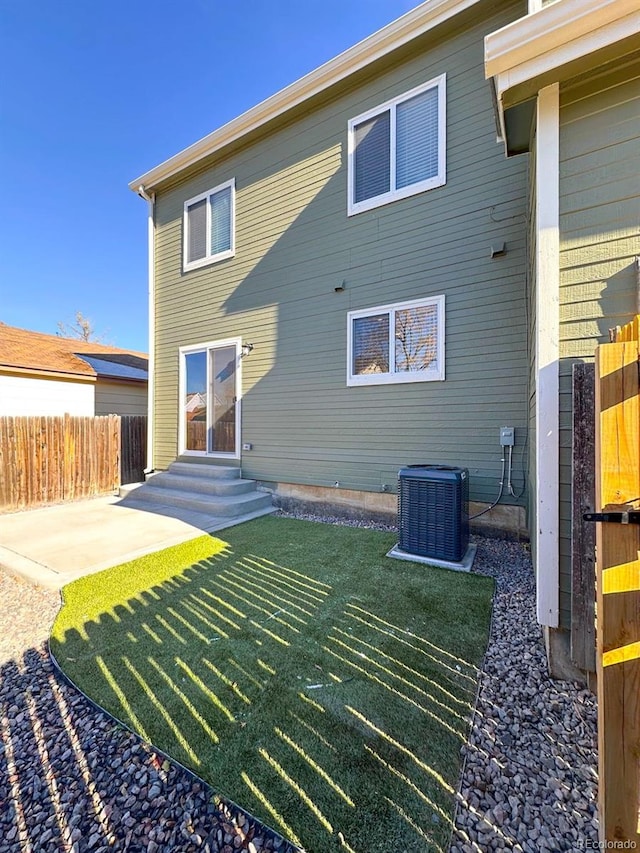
150 199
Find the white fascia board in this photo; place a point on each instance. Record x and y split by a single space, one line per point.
547 354
556 34
396 34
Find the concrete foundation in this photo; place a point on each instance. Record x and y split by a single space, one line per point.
557 642
502 521
463 566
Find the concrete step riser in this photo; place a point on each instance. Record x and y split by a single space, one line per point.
209 472
205 521
205 504
201 485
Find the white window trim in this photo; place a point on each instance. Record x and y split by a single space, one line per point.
422 186
392 378
182 388
219 256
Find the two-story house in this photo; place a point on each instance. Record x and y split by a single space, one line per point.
342 283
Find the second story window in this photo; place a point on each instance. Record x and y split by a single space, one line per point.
399 148
209 226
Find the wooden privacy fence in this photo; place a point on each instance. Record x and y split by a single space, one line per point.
47 459
617 406
133 448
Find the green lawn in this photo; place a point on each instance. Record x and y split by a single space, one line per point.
317 683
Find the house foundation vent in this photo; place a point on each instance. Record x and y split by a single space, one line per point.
433 511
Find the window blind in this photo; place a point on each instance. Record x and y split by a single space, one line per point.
372 157
371 344
417 139
197 228
221 221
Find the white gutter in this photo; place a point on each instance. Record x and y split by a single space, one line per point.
396 34
150 199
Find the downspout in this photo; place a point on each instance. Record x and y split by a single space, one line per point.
150 199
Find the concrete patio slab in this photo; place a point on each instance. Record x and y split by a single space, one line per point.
54 545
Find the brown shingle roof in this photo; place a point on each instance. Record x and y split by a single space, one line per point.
20 348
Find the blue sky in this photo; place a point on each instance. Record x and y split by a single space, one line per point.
92 94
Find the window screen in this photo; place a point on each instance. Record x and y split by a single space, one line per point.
371 344
221 221
417 139
197 227
372 160
416 336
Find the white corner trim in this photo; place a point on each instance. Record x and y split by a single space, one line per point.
556 34
410 26
547 352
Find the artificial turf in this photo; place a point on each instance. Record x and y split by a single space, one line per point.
317 683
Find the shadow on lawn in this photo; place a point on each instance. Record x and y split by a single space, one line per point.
70 779
303 703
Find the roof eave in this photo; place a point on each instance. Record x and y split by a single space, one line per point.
549 42
396 34
554 36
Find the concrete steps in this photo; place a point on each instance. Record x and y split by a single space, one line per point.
216 496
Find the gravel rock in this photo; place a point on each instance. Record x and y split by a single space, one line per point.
73 780
540 732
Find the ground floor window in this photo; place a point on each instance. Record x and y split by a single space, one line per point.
402 342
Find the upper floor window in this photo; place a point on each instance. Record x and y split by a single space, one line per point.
403 342
209 226
399 148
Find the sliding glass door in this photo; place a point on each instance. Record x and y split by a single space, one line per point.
209 417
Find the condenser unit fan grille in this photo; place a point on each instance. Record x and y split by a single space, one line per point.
433 511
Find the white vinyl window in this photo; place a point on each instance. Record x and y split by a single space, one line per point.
209 226
399 148
403 342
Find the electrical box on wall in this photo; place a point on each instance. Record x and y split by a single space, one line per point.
507 436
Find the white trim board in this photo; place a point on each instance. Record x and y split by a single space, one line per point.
410 26
547 351
555 35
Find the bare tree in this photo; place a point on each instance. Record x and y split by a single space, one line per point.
82 328
416 339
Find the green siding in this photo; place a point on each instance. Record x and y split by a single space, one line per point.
599 240
120 399
295 244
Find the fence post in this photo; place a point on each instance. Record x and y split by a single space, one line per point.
618 590
583 534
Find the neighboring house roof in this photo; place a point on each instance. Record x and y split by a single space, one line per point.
35 352
415 23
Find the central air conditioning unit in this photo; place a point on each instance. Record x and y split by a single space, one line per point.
433 511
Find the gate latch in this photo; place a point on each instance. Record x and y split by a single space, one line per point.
630 517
